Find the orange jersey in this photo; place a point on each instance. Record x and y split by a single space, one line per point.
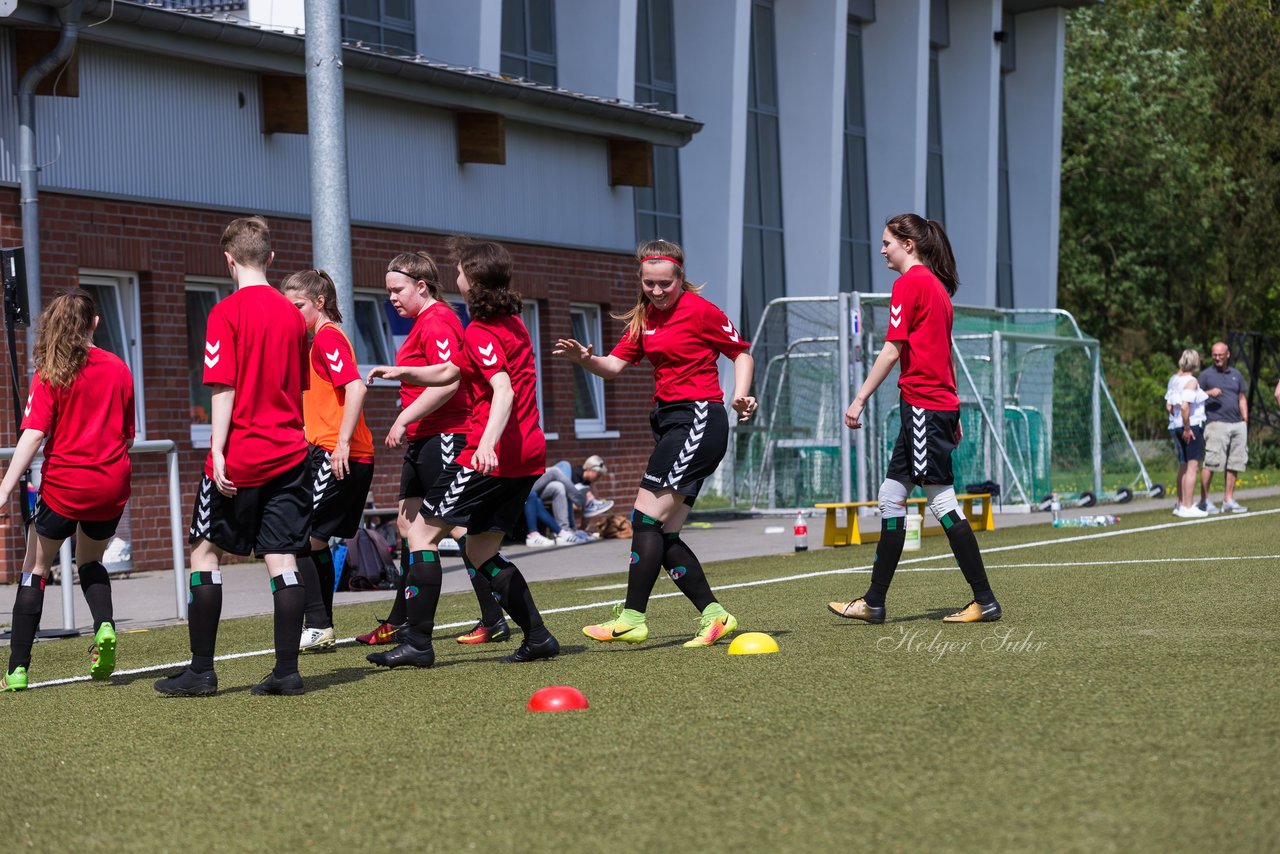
333 365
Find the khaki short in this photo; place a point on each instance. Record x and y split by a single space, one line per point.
1225 446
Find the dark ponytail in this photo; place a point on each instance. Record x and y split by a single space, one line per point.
932 246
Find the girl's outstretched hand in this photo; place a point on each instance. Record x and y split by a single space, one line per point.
572 350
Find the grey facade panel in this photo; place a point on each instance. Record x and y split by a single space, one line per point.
150 127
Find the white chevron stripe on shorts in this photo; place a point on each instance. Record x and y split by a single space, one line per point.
200 524
691 444
919 450
447 453
455 490
321 482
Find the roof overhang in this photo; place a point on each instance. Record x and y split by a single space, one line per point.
225 41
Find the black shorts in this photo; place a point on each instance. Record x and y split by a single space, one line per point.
337 506
425 459
1192 451
274 518
692 439
922 453
52 525
478 502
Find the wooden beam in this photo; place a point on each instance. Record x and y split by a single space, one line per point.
482 138
630 163
284 104
35 45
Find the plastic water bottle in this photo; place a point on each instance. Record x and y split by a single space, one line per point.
801 531
1056 506
1086 521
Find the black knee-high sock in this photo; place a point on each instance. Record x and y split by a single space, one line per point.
686 571
647 547
290 600
514 595
314 615
964 545
95 583
324 570
422 596
490 610
893 533
398 609
203 613
28 605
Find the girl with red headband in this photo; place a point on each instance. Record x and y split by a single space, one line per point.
682 335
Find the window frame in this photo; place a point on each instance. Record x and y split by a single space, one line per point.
384 23
524 55
202 434
590 427
352 330
124 285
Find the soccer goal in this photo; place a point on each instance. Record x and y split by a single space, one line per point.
1037 415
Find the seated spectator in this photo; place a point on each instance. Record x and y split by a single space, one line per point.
583 478
537 518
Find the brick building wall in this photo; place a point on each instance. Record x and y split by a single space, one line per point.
164 245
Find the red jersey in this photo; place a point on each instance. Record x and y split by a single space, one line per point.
920 316
333 366
683 343
435 338
88 425
491 346
257 344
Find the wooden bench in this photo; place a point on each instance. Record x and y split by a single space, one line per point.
975 506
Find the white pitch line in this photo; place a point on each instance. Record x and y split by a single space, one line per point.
785 578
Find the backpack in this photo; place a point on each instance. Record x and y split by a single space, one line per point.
368 565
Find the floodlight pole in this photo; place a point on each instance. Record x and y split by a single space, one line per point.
327 141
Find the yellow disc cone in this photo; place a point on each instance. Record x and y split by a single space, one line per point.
752 643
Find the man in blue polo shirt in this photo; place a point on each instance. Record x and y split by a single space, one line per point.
1226 429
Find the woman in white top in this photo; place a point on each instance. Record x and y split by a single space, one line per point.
1184 401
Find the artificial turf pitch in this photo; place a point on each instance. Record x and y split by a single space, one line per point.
1127 702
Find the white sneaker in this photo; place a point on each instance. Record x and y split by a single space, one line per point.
449 546
1190 513
567 537
596 507
536 540
314 640
1232 507
1209 507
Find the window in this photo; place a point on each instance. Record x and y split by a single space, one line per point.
935 201
1004 241
385 25
202 295
529 40
116 297
370 330
763 272
657 207
855 236
588 389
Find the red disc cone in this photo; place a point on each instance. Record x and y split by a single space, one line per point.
557 698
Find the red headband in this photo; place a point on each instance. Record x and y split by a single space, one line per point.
648 258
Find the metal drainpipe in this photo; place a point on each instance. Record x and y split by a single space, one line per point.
27 168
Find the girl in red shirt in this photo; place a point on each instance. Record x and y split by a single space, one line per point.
81 410
431 427
682 335
484 489
339 445
919 336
